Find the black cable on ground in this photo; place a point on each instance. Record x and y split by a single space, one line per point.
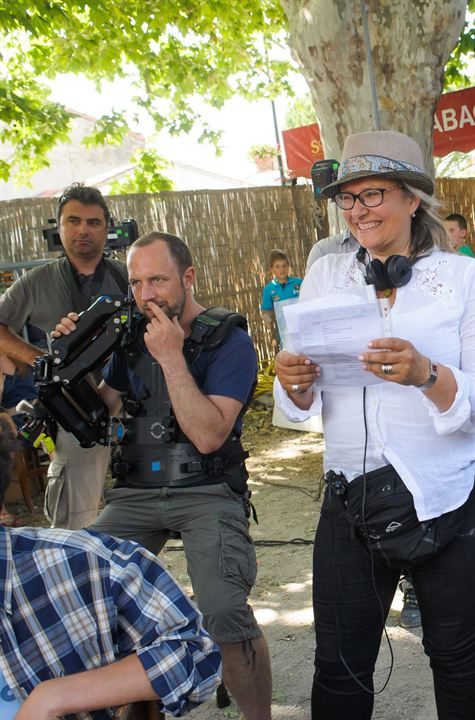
314 494
260 543
277 543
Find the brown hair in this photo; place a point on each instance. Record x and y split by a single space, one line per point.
277 254
85 195
459 219
177 248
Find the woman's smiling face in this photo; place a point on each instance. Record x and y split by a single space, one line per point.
386 229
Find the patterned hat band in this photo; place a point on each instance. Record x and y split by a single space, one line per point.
383 153
374 164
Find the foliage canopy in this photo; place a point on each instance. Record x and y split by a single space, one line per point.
173 52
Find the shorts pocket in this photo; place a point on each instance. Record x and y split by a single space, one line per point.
56 500
238 555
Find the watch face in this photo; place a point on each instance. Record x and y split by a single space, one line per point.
432 377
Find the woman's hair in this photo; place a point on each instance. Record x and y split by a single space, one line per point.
428 229
8 445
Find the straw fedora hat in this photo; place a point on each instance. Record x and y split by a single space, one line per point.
382 153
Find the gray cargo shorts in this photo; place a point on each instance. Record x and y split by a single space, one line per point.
76 478
219 550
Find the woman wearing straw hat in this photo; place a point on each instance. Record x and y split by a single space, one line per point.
400 453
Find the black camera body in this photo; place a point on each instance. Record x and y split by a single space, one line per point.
123 235
118 236
323 173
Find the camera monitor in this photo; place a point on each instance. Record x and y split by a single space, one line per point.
323 172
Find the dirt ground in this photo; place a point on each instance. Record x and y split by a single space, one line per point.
285 469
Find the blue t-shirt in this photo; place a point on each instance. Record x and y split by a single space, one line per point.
274 292
17 387
9 705
230 370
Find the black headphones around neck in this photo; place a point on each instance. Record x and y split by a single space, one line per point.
395 272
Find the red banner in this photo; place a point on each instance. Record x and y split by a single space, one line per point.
454 129
303 146
454 124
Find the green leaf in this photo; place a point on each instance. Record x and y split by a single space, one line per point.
173 53
108 130
457 71
301 112
146 176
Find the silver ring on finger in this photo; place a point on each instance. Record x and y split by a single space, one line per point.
295 388
387 368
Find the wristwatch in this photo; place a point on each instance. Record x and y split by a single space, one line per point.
432 377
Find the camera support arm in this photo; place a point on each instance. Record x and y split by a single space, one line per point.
65 390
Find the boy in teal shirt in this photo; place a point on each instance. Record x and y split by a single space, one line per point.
456 226
281 287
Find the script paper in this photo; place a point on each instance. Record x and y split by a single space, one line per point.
333 337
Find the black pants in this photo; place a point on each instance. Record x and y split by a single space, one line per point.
349 622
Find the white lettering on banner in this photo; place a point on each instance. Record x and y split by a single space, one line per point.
449 121
466 117
437 124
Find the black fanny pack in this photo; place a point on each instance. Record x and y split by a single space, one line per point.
381 510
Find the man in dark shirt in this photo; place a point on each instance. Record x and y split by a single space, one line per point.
183 469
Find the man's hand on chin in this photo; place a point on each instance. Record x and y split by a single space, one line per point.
164 337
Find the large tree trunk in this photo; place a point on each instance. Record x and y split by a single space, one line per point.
411 42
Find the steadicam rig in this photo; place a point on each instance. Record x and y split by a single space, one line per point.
62 375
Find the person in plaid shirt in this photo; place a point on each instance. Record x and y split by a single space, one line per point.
89 622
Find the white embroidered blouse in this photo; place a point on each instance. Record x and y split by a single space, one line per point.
433 452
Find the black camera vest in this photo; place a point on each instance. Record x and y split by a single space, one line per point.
152 450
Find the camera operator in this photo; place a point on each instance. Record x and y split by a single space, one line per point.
182 468
40 296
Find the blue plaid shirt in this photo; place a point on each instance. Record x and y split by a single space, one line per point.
76 600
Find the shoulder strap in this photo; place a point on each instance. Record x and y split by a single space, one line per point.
119 273
78 300
209 330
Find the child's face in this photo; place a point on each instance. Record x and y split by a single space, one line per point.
280 270
457 234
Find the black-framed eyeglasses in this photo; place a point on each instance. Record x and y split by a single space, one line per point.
372 197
